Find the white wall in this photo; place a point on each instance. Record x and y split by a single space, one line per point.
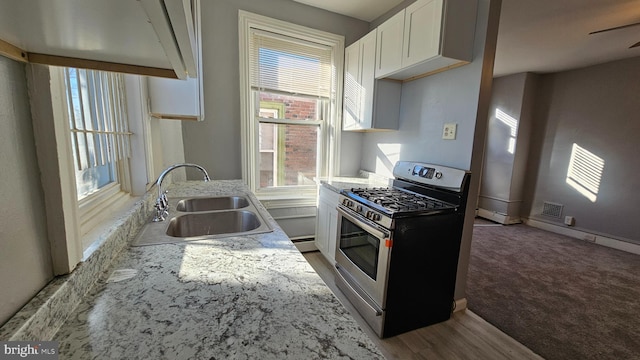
25 261
215 142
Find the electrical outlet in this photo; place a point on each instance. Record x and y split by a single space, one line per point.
569 220
449 131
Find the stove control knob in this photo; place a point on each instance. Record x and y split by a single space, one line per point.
347 202
359 208
368 214
376 217
438 175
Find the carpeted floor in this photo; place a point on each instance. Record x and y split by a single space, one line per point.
561 297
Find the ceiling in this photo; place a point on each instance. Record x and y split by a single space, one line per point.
539 36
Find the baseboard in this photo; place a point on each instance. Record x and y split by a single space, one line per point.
497 217
305 245
586 236
461 304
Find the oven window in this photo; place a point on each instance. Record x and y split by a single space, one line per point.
360 247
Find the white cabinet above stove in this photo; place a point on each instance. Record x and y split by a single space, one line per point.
150 37
426 37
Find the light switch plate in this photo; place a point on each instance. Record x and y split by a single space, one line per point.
449 131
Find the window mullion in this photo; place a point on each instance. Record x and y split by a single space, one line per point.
72 119
290 122
81 103
93 120
97 120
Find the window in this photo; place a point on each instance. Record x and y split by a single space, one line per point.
99 127
99 140
289 104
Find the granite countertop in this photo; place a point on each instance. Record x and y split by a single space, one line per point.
365 179
247 297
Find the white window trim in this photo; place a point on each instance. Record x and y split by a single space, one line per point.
99 206
52 132
249 132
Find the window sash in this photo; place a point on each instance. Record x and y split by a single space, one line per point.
97 117
283 163
100 136
284 63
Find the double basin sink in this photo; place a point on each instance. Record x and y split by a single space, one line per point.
197 218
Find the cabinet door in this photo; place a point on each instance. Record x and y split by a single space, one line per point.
368 78
332 234
322 227
351 101
422 28
389 45
327 223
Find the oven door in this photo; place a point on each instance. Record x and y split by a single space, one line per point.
362 255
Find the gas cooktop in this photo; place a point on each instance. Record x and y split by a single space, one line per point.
396 201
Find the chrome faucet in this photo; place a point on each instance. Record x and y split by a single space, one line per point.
162 204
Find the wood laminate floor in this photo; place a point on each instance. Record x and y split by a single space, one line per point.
464 336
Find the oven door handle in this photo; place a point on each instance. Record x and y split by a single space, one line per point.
364 224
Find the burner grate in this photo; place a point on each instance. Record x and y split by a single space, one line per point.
397 200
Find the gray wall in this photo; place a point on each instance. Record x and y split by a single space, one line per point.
461 96
507 147
426 105
25 261
597 108
215 142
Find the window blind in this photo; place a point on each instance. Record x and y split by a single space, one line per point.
97 117
285 64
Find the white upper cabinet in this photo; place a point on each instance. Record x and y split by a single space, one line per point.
146 37
422 21
389 45
436 35
351 100
369 104
181 99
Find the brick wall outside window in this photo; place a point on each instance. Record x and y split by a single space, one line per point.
300 142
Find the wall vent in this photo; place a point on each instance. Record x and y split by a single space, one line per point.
552 209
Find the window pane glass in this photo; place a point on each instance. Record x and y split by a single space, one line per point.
282 106
92 179
91 114
292 161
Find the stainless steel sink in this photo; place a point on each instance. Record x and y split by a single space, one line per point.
213 223
212 203
200 218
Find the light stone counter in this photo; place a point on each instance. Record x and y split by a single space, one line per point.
250 297
366 180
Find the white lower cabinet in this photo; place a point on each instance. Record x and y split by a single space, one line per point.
327 223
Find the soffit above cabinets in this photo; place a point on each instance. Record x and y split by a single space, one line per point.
366 10
127 32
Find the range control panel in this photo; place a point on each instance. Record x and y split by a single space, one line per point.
425 172
430 174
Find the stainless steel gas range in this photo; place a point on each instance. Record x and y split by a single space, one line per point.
397 249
